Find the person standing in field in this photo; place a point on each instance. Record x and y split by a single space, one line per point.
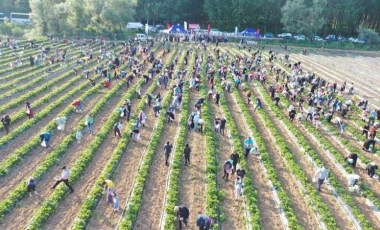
258 104
117 129
90 124
64 178
167 149
321 175
29 111
235 160
6 120
186 153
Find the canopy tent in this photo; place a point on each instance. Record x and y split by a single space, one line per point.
249 32
175 29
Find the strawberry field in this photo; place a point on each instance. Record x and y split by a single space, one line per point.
279 190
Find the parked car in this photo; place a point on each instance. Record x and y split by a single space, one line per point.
157 28
216 32
141 38
285 35
268 35
300 37
342 39
318 39
135 25
331 37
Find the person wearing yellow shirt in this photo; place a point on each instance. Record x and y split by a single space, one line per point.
108 185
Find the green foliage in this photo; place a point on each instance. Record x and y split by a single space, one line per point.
368 35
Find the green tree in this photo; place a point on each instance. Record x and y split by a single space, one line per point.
294 14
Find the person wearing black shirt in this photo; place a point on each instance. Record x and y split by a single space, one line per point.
235 159
167 149
222 125
182 214
186 153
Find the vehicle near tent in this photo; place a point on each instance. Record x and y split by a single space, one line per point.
21 18
2 17
318 39
268 35
285 35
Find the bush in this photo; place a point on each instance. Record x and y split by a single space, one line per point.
368 35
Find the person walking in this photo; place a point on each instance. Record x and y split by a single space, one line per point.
90 124
31 186
186 153
6 120
64 178
222 125
29 111
235 160
238 188
258 104
321 175
45 138
117 129
182 215
116 202
167 149
367 144
248 144
227 169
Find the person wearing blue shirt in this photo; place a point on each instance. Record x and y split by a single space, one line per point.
204 222
45 137
248 144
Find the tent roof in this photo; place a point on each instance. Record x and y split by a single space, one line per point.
175 29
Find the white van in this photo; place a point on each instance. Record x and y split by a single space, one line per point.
135 25
141 38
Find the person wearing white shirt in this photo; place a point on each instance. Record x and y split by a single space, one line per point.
321 175
64 178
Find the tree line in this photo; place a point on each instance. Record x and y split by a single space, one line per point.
310 17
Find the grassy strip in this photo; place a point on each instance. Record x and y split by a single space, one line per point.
250 191
173 187
50 205
302 140
95 194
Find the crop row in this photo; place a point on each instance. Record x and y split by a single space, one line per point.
250 192
136 198
40 115
93 198
46 97
56 67
19 192
331 149
17 76
332 180
50 205
172 196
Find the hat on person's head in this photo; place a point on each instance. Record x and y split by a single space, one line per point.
64 167
176 208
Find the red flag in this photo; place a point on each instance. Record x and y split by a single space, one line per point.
258 31
168 25
208 29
